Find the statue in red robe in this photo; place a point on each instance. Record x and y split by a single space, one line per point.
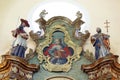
19 45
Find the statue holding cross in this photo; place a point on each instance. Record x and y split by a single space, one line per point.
101 43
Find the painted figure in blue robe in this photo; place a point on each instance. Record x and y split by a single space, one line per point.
101 43
19 45
58 52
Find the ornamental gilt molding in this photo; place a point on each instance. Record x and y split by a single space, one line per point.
13 67
60 78
61 43
103 69
73 27
53 67
60 18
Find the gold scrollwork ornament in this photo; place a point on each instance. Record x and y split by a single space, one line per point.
58 67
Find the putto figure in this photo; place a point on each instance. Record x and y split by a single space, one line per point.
101 43
19 45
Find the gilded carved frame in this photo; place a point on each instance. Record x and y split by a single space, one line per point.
54 67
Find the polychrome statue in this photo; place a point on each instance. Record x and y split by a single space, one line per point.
19 45
101 43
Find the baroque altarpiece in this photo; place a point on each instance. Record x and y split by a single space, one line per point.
59 55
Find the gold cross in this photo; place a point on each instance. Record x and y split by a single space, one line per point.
107 25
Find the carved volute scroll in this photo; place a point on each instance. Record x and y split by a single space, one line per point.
106 68
16 68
